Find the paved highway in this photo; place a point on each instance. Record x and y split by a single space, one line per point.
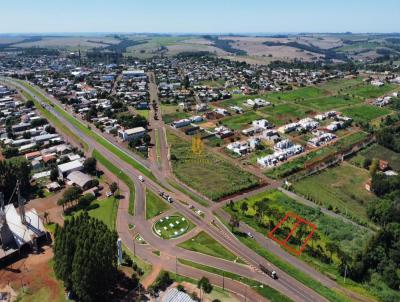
285 284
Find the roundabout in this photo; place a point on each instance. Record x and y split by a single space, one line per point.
170 227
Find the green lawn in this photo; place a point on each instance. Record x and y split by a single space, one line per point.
205 244
264 290
342 85
241 120
379 152
155 205
329 102
104 210
341 187
172 226
208 173
365 113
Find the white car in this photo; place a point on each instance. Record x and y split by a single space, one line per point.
141 178
109 194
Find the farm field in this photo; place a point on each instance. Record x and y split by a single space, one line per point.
365 113
155 205
379 152
341 187
205 244
341 85
208 173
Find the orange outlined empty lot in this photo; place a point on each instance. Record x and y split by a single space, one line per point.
291 233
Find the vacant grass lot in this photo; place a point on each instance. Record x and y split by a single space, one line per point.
205 244
341 187
208 173
298 94
379 152
330 102
284 113
369 91
155 205
341 85
365 113
104 210
240 121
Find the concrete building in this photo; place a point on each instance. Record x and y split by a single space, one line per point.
131 134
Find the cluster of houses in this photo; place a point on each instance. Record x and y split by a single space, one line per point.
30 136
283 150
384 101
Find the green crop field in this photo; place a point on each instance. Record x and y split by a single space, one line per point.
155 205
205 244
341 187
240 121
365 113
207 173
330 102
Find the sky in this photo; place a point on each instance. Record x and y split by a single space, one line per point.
204 16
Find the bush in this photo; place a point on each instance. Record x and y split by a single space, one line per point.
86 199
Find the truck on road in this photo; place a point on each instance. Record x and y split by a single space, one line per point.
268 272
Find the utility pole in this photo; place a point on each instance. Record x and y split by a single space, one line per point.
176 266
134 248
223 280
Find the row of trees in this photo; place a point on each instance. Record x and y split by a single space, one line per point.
85 258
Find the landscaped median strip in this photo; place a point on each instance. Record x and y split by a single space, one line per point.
121 175
264 290
300 276
84 129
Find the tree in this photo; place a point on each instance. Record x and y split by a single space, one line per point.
54 173
373 167
205 286
244 207
234 222
46 216
332 248
9 152
90 165
113 187
146 139
50 129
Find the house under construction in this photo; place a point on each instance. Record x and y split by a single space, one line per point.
19 229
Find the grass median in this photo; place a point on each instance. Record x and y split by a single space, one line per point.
121 175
